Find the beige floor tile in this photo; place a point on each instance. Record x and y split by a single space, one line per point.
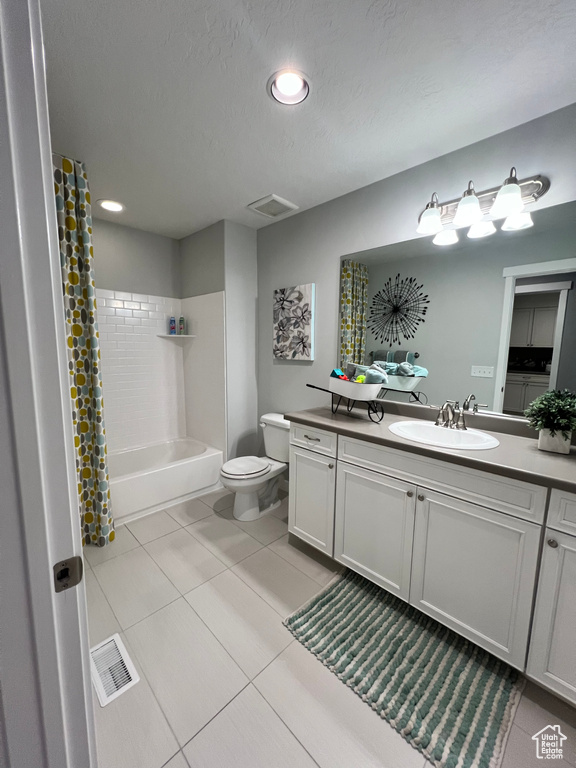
539 708
283 587
247 734
123 542
184 560
310 561
189 512
249 629
134 586
153 526
333 724
101 620
266 529
218 500
178 761
131 731
191 674
224 539
521 752
281 512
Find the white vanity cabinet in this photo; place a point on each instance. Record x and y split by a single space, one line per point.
312 486
552 659
374 526
474 570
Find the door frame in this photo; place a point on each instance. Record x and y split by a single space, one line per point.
511 275
46 717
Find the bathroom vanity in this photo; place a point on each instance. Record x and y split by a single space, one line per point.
482 541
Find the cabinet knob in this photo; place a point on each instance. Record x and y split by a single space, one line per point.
330 466
409 494
420 497
552 543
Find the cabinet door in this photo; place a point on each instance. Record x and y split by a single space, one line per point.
374 526
552 659
533 390
521 329
543 326
474 569
514 396
311 498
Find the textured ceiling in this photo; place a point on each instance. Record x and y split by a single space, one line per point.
165 100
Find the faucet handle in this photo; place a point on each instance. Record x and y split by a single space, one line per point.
479 405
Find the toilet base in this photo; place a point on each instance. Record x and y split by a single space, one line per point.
251 506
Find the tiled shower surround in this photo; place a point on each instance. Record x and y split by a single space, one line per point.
142 373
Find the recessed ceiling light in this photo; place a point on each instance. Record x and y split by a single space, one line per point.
288 86
111 205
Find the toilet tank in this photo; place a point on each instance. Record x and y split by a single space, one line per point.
276 436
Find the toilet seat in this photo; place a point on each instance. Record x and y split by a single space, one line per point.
245 467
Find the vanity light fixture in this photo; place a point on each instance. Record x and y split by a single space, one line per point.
481 229
288 86
446 237
111 205
430 222
521 220
468 211
509 198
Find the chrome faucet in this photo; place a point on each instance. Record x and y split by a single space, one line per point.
445 416
466 406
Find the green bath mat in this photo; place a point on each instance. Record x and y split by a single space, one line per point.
447 697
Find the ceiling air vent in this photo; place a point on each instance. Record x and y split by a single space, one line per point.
273 206
112 669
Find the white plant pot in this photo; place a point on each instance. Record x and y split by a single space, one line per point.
556 444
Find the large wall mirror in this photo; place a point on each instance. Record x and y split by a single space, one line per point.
504 306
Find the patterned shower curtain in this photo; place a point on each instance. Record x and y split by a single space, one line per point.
77 262
353 309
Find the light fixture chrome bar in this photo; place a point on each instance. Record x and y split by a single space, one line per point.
532 189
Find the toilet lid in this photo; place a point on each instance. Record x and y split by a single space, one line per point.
246 466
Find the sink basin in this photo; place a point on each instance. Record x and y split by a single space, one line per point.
428 433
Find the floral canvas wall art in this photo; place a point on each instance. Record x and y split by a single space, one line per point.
293 337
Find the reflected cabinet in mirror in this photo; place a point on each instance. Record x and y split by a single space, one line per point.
495 316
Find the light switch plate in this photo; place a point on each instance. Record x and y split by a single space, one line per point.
483 371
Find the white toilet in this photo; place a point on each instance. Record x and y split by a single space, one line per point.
255 480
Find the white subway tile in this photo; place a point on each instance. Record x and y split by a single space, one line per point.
124 312
103 311
131 321
132 305
139 297
148 306
140 313
123 295
115 303
104 293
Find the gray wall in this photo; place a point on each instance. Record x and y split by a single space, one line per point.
466 292
241 309
307 247
127 259
202 261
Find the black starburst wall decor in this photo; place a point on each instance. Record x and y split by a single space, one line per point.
397 310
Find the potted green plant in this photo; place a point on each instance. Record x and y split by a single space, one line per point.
554 415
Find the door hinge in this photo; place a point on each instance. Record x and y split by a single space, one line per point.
68 573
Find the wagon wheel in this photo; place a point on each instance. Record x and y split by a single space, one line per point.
375 411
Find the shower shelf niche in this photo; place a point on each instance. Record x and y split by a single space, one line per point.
176 336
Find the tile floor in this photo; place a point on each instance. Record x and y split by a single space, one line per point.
199 600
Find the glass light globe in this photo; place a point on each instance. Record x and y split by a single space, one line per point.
289 83
430 222
481 229
509 198
446 237
521 220
468 211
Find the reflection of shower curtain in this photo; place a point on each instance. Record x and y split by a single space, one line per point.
353 308
77 262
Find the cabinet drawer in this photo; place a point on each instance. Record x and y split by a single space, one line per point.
562 514
504 494
317 440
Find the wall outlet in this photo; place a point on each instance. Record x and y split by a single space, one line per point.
483 371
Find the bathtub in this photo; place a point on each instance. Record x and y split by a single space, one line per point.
143 480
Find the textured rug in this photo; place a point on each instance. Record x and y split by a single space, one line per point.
447 697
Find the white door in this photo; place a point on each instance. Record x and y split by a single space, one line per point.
544 326
521 330
474 570
311 498
45 703
552 659
374 525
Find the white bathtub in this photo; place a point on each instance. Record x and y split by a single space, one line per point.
143 480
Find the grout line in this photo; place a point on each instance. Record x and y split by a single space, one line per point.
216 715
334 573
